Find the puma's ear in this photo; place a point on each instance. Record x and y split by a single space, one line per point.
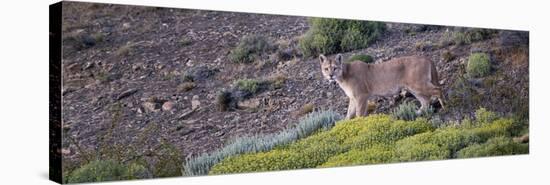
339 59
322 58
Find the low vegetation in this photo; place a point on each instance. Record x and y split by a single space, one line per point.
186 86
423 45
447 56
471 35
361 57
223 99
126 49
114 161
107 170
76 41
305 109
494 147
329 36
277 81
478 65
185 41
248 85
382 139
250 48
407 111
308 125
464 36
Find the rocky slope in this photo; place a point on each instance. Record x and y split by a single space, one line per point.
125 71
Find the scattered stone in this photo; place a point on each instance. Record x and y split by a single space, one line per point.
186 114
137 66
151 106
188 131
65 151
195 103
88 65
126 93
442 81
249 104
126 25
67 126
168 106
219 133
189 63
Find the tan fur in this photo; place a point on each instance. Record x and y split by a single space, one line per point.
361 81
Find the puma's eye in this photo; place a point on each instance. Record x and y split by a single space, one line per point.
326 69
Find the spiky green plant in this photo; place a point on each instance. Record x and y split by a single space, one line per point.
405 111
308 125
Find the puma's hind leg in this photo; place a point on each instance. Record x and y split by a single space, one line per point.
362 107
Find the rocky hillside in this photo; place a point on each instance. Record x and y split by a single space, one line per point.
146 82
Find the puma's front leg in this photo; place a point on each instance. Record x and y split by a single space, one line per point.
351 109
362 106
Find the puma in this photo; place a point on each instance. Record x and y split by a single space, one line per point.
361 81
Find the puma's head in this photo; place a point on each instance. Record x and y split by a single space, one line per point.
332 69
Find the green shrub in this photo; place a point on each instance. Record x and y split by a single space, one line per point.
187 77
308 125
106 170
248 85
329 36
453 139
423 45
478 65
494 147
362 58
315 121
185 41
485 116
421 152
281 159
277 81
405 111
373 155
447 56
315 150
250 48
459 38
471 35
375 139
169 163
386 131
